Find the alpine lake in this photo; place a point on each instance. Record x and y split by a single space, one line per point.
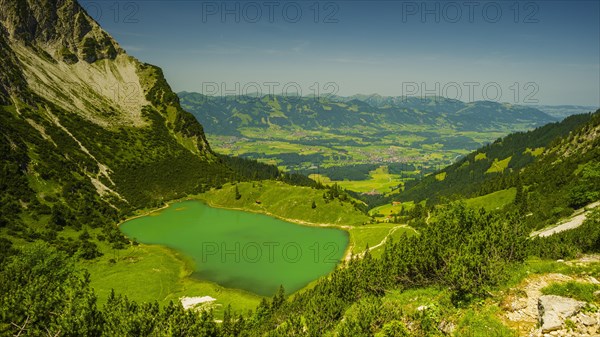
242 250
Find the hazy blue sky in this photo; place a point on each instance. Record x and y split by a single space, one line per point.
517 52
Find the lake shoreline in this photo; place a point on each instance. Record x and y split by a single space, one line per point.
188 266
198 197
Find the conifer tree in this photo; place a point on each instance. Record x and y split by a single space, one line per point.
237 193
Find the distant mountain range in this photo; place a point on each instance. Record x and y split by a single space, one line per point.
229 114
562 111
300 132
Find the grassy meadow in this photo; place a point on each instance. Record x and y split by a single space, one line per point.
493 201
287 202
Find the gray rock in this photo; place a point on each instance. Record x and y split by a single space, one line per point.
446 327
553 310
587 320
550 321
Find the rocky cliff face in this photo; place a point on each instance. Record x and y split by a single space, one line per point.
89 125
59 27
11 77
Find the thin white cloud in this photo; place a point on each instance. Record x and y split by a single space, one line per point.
301 46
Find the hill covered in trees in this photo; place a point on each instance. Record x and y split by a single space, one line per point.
555 169
505 154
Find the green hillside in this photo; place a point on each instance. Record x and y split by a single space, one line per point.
288 202
487 169
493 201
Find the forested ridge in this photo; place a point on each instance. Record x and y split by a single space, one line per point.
470 176
564 175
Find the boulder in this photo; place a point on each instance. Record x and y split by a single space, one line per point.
587 320
553 310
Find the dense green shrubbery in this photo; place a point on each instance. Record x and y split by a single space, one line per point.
466 250
43 293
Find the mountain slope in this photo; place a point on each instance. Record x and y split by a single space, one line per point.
88 132
492 162
555 169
